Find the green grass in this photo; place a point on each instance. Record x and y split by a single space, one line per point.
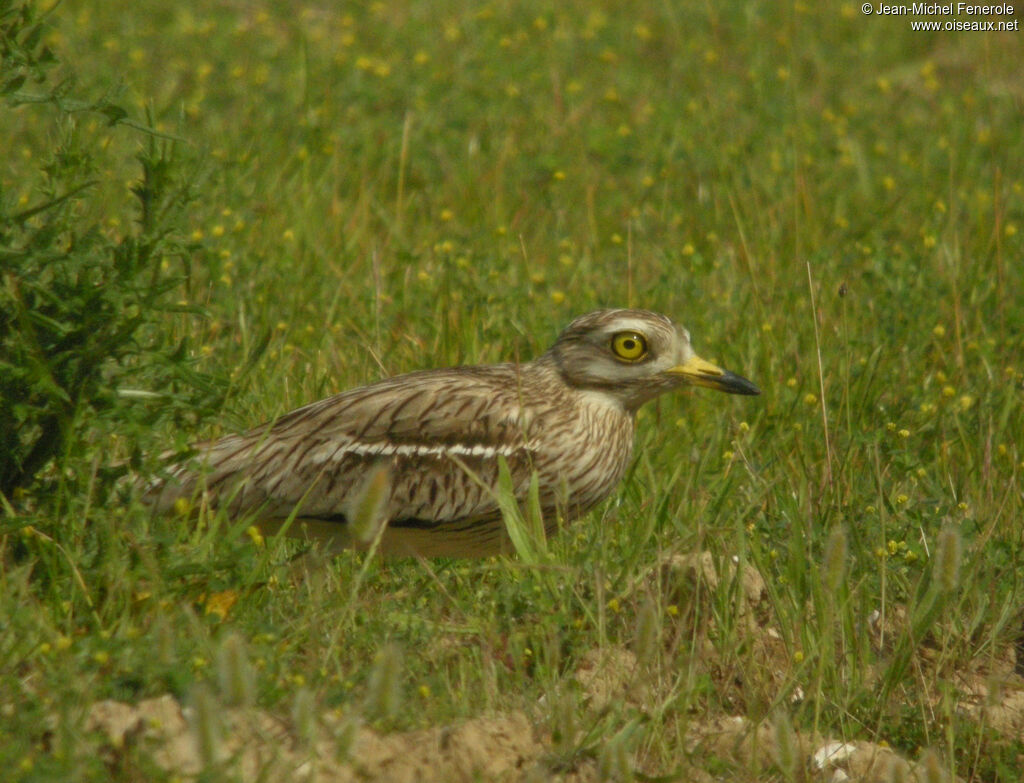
832 204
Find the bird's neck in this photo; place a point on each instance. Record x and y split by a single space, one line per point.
594 393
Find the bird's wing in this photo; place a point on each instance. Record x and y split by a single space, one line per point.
441 433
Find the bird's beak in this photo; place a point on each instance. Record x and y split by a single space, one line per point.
703 373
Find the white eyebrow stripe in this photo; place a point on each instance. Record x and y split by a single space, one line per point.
626 324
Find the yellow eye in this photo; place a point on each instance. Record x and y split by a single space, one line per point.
629 346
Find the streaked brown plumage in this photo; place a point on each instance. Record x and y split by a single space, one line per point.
437 436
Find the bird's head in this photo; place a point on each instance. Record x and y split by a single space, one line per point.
632 356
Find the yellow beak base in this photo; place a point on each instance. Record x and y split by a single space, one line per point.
700 372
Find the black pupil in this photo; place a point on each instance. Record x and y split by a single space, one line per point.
628 344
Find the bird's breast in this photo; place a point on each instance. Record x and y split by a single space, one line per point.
582 456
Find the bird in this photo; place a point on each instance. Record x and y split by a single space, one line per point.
423 453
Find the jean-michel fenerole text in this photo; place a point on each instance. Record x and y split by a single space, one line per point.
938 9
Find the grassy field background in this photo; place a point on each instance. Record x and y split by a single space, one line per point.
831 203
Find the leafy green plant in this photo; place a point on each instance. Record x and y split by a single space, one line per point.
83 307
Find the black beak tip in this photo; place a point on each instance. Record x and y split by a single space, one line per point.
737 384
